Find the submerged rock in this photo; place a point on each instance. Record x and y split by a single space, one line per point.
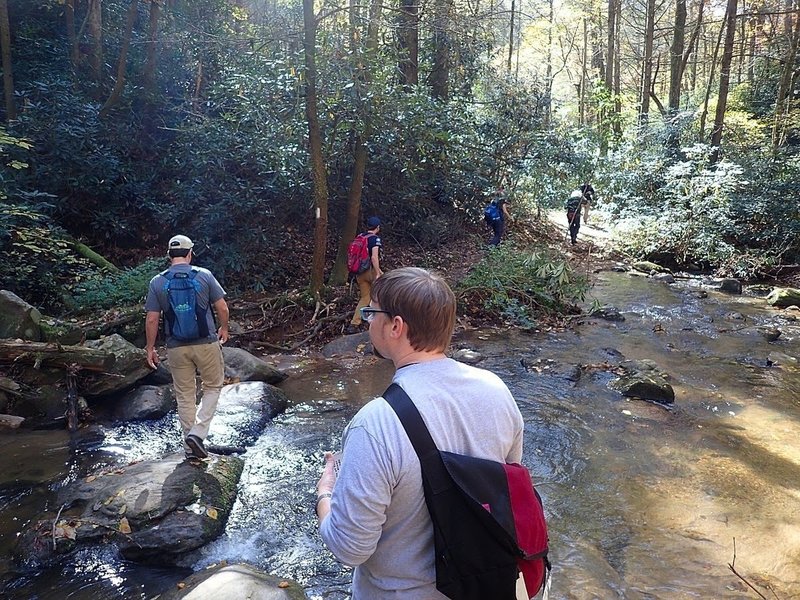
235 581
642 379
608 312
155 511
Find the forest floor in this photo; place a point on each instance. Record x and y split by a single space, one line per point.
286 324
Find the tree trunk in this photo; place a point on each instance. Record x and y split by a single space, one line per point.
549 77
617 70
122 62
408 42
318 173
95 20
676 57
149 75
612 21
782 106
751 50
5 50
72 36
647 66
712 69
724 75
339 273
440 73
584 75
511 36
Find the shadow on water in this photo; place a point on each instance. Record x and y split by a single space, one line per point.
642 501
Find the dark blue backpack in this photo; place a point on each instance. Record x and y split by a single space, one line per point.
186 319
491 212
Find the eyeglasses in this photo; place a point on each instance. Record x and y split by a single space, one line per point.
368 313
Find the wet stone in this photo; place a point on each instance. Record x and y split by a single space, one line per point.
235 581
154 511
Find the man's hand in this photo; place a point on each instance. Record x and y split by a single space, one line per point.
152 357
222 334
328 478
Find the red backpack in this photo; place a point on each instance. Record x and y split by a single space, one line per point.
358 259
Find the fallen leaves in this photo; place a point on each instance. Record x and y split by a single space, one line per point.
124 526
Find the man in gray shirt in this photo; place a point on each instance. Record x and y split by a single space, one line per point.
373 515
189 355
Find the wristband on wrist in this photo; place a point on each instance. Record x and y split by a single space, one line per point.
321 497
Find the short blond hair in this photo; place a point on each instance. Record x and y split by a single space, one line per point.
424 301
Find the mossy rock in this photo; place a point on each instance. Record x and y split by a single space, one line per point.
783 297
645 266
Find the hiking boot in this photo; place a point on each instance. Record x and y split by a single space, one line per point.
196 444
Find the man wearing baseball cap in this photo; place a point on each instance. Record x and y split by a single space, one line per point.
185 295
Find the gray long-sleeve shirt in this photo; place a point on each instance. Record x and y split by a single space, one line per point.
378 520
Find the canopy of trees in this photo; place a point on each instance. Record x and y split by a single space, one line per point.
255 125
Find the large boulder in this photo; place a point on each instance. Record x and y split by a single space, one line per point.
155 511
243 410
240 365
145 402
234 581
730 286
642 379
18 319
128 367
783 297
356 344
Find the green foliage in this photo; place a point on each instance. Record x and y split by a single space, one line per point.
518 284
732 217
36 258
123 288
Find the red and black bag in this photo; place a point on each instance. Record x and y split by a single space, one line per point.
488 520
358 259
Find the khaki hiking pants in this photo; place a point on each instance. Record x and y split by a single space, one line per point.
184 363
364 281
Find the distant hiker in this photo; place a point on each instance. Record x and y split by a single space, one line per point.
496 214
185 296
364 262
574 205
588 193
374 515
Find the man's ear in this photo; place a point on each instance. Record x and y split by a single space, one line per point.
397 327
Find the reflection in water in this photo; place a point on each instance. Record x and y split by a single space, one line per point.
643 502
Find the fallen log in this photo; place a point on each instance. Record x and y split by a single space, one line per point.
39 353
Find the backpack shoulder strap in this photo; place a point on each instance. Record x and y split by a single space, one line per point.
433 468
165 274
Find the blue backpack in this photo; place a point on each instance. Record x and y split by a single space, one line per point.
491 212
186 319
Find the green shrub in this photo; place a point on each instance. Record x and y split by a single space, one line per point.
37 259
519 284
117 289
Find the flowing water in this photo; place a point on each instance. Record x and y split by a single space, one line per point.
642 501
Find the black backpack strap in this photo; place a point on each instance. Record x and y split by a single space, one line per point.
433 468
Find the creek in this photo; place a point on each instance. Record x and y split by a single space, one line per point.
643 501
